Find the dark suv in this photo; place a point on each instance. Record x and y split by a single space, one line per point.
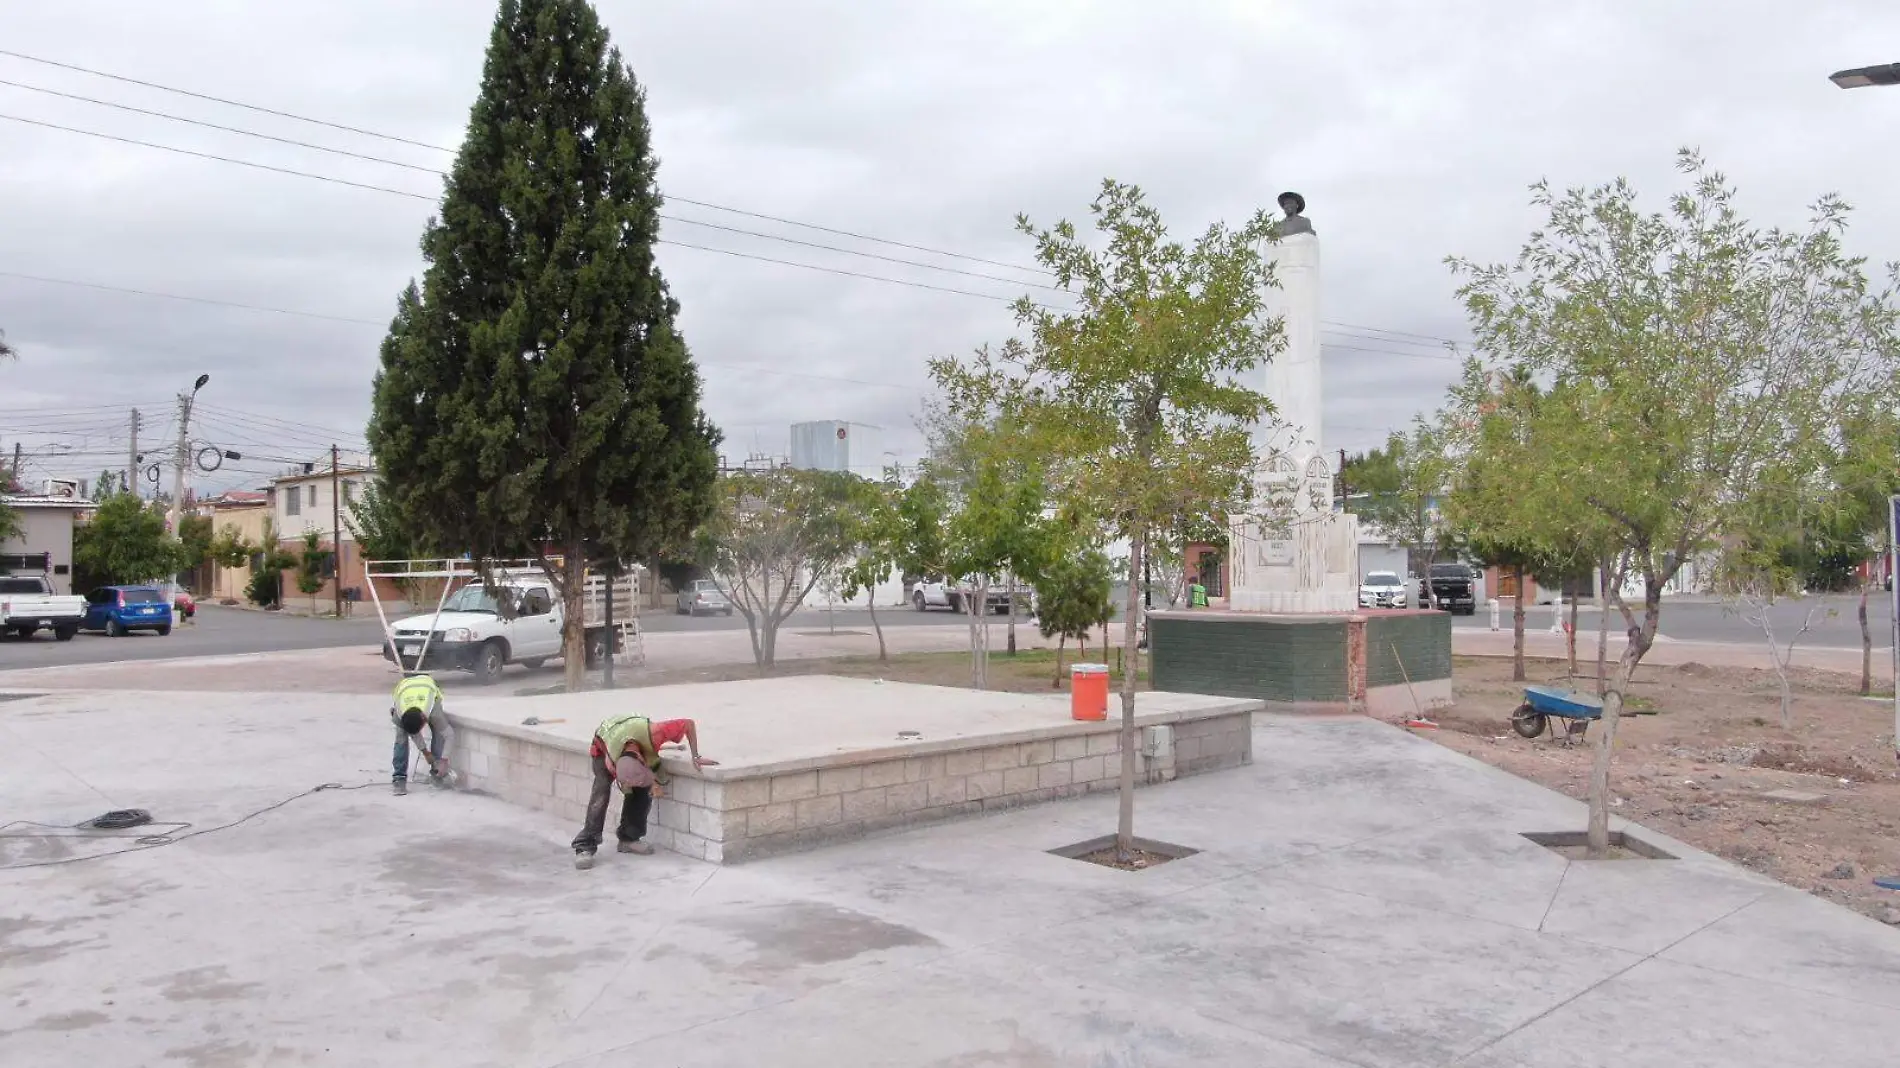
1454 588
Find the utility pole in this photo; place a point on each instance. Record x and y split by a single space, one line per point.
176 513
336 537
13 474
132 458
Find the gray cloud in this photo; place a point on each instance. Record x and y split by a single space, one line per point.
1413 130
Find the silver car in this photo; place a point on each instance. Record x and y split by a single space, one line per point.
702 595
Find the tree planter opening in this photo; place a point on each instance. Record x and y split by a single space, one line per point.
1145 853
1575 846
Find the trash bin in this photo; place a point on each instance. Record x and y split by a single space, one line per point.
1088 691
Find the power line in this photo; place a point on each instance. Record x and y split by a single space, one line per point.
441 148
295 172
1392 335
194 300
217 99
217 158
216 126
327 433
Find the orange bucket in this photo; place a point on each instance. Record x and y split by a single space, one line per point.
1088 691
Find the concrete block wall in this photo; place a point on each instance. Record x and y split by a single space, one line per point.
555 776
1282 659
744 816
1302 664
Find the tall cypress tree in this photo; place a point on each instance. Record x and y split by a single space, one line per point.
535 396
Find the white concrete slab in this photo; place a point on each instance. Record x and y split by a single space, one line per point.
758 726
1356 902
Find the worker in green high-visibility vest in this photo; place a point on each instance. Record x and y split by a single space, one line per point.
626 753
418 703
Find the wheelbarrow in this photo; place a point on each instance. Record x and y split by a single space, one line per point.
1544 703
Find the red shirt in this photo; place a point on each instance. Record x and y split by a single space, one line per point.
665 732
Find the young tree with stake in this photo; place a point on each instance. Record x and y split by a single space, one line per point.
1132 398
1693 359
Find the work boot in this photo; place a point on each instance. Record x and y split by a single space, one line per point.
583 859
399 787
636 847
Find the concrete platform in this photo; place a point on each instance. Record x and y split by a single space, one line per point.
813 759
1361 899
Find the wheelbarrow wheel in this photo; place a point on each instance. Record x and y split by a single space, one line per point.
1529 722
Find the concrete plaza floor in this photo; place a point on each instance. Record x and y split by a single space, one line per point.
1361 898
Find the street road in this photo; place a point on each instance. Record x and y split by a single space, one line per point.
1834 625
221 631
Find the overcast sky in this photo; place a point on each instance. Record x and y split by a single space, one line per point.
1412 130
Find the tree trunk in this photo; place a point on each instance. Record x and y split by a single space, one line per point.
1517 629
1125 822
1061 640
1570 637
1866 646
573 616
1603 624
870 602
1012 613
1598 837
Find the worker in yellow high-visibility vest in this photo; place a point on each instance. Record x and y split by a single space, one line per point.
416 703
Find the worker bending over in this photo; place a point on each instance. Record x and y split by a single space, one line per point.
626 753
418 701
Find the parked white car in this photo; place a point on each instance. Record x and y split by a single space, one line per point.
1382 589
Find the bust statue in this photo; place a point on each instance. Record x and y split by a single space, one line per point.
1296 221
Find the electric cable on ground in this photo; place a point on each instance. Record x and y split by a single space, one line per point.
142 842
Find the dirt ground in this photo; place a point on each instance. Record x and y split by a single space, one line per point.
1698 763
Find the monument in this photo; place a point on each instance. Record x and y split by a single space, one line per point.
1291 552
1290 631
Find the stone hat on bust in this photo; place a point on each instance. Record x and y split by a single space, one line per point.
1299 202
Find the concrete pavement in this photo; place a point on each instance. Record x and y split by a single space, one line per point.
1361 898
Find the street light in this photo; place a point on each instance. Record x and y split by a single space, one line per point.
1862 77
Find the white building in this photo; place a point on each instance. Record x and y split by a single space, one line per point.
44 545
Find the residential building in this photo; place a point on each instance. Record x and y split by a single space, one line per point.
45 543
302 502
247 512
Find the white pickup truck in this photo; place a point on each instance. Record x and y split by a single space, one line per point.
519 621
28 604
936 593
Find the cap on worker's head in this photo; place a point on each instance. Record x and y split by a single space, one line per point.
631 773
412 720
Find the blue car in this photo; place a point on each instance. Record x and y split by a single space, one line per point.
119 610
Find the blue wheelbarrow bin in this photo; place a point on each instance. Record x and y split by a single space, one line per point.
1545 703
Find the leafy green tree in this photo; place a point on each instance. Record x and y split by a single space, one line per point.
382 532
1693 359
106 485
1419 467
10 523
1132 397
195 536
923 514
312 562
877 545
535 396
773 536
268 562
230 548
1072 596
124 542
